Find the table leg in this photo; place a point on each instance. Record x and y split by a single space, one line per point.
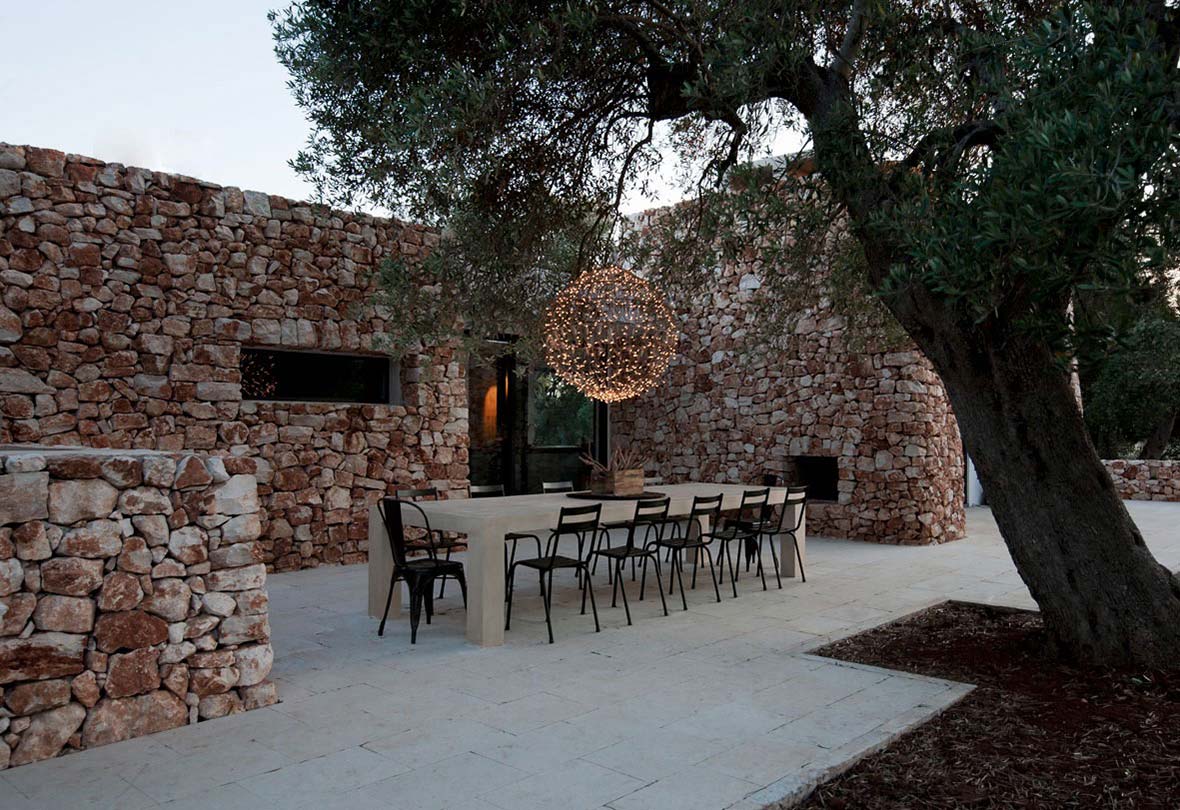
787 549
485 587
381 569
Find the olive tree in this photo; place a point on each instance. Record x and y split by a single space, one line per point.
977 166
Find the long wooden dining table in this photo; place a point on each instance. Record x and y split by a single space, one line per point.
485 521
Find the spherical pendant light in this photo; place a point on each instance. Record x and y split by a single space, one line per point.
610 334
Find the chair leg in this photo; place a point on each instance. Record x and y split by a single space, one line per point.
428 600
593 607
799 557
545 603
442 584
712 573
774 556
696 563
618 583
614 588
732 573
643 578
388 602
660 583
680 577
761 569
416 609
508 613
463 587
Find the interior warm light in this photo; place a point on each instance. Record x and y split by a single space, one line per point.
610 334
489 414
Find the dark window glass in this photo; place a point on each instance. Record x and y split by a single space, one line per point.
559 414
317 377
819 474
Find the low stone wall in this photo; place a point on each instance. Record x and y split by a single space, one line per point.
1145 480
132 597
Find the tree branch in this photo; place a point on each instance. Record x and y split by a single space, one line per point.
853 35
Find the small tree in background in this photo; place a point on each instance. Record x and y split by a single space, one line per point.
979 166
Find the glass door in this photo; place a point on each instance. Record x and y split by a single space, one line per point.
528 428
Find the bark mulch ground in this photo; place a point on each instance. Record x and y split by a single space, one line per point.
1035 733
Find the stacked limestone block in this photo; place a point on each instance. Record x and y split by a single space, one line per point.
132 597
126 296
1146 479
731 409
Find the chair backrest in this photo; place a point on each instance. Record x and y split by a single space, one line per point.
575 520
395 527
704 507
755 503
650 513
796 496
557 486
424 494
653 480
485 490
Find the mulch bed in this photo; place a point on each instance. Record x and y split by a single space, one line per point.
1035 733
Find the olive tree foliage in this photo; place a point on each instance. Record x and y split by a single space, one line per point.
997 128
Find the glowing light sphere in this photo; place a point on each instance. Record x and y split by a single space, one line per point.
610 334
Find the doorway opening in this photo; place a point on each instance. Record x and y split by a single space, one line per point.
528 427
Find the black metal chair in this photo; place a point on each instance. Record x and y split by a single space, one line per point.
743 528
796 496
441 541
497 491
651 514
706 508
419 573
551 487
580 521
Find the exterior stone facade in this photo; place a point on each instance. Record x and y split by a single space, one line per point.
1146 480
127 296
729 411
132 597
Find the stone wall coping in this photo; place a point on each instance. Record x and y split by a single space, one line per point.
67 451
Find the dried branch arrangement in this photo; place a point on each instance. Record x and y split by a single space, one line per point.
621 459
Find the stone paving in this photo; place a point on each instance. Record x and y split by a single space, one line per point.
716 707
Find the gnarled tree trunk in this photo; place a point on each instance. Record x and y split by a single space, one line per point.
1157 442
1104 598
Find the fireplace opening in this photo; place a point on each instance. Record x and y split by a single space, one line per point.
819 474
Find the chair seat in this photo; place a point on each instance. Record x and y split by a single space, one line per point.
619 552
520 536
550 562
732 531
754 525
432 567
681 542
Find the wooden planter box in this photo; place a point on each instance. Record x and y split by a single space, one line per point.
622 482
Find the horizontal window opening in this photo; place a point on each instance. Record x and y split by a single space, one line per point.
293 376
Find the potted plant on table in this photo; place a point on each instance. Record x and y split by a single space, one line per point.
621 475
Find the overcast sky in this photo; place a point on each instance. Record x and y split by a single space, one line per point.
187 87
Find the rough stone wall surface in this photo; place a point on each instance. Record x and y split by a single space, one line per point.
127 296
132 597
730 411
1145 480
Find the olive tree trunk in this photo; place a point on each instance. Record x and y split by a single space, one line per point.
1104 597
1158 441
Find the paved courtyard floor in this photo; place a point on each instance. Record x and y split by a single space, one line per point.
716 707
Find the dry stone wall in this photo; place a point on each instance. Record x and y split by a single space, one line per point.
132 597
1145 479
127 296
731 411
